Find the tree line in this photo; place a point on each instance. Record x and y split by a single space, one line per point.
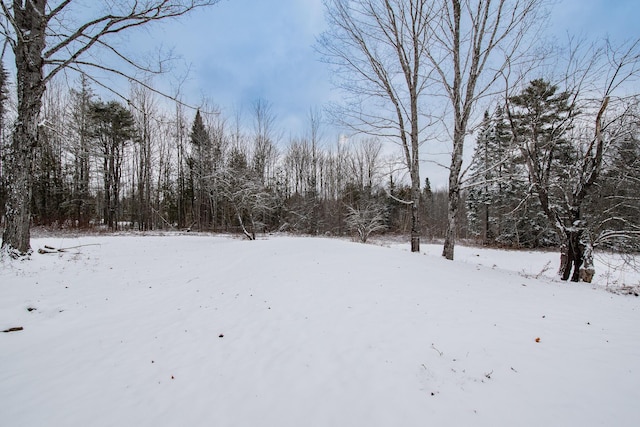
418 71
552 165
110 165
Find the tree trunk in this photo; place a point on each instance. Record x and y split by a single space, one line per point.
250 236
575 256
30 22
415 213
450 234
454 191
19 167
588 271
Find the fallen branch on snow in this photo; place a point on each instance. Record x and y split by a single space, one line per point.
51 250
625 290
546 268
439 352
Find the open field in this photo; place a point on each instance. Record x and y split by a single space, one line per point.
212 331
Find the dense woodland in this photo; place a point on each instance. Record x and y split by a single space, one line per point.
535 179
110 165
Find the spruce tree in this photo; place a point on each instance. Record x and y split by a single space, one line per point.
478 197
498 185
541 119
81 202
201 170
112 128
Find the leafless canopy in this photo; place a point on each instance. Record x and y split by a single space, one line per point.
74 31
47 37
377 49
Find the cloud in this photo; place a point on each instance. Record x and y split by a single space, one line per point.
243 50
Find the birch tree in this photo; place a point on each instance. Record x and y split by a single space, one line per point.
377 48
47 37
471 43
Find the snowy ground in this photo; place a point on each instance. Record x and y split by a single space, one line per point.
210 331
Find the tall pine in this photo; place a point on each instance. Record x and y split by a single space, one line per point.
201 170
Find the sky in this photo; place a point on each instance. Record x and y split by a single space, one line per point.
240 51
243 50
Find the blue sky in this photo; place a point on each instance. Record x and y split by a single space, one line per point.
242 50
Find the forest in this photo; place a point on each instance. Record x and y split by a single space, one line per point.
555 159
109 166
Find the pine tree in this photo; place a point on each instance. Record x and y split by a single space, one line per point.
81 202
112 128
496 211
541 120
201 170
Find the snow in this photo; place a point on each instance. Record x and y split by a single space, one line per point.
208 330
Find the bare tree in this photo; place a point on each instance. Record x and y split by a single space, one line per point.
47 37
144 111
243 189
314 121
265 138
377 48
366 162
613 214
471 43
366 218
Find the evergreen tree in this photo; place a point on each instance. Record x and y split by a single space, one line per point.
498 209
201 171
478 197
81 203
541 120
112 126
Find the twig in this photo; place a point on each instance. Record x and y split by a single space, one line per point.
439 352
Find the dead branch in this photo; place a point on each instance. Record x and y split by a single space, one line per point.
51 250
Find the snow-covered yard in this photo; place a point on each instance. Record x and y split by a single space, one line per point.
211 331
